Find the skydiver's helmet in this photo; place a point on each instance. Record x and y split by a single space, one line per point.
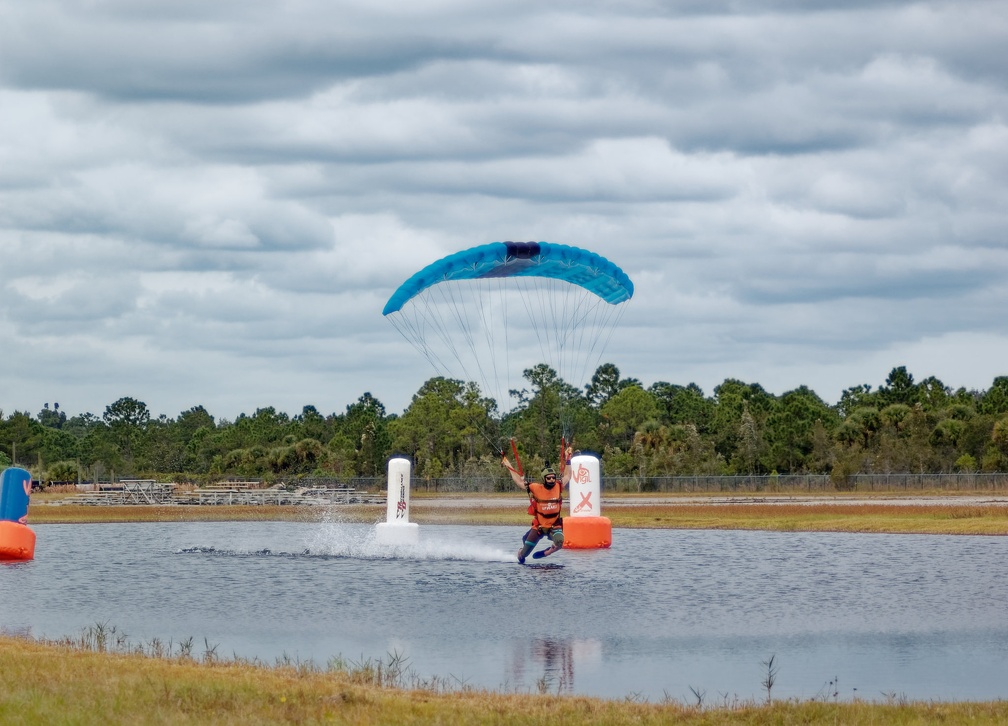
549 477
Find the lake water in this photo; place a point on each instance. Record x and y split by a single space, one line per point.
662 614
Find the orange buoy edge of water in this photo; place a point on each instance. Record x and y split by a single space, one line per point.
17 541
586 533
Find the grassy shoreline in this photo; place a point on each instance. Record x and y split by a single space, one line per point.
70 682
49 682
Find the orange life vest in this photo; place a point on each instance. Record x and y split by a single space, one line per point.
545 504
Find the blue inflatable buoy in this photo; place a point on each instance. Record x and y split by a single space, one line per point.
17 541
15 488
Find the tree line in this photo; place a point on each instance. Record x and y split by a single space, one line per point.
451 429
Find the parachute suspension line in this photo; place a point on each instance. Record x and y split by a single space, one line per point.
432 316
475 314
492 304
552 307
569 336
479 309
455 327
504 396
482 307
591 324
498 325
428 319
535 304
413 327
596 317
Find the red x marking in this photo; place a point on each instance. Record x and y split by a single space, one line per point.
584 502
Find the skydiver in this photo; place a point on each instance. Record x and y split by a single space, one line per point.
545 504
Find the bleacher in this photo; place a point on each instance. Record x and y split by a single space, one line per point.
235 493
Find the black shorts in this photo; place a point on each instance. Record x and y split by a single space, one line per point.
536 533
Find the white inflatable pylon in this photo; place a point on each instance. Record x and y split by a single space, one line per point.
397 529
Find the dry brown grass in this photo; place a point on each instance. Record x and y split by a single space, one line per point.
827 515
57 684
820 517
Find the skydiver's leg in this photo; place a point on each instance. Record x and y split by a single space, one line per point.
528 544
557 537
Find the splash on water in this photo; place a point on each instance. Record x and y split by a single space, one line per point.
229 552
360 541
337 539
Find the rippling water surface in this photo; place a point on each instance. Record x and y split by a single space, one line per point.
663 614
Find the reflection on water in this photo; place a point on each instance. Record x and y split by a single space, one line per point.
550 663
658 615
557 660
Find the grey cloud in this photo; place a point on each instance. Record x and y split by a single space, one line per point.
817 284
228 53
81 308
794 186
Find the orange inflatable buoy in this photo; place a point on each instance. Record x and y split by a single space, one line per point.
587 533
586 528
17 542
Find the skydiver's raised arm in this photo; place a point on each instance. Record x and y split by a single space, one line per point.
517 478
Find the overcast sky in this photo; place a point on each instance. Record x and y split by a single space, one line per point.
210 202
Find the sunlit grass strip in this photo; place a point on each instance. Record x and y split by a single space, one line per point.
811 517
78 683
819 517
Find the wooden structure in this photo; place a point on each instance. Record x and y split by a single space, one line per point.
245 493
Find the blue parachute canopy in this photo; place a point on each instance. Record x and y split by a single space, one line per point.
521 259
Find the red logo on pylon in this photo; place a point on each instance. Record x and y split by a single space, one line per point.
401 506
585 503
